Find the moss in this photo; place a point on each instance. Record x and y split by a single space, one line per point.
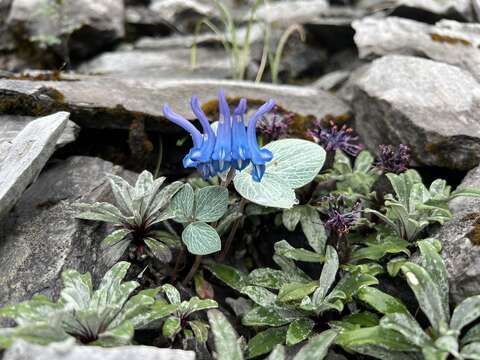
449 39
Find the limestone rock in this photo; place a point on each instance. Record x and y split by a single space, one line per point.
429 106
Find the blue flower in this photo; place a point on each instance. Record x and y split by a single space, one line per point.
234 145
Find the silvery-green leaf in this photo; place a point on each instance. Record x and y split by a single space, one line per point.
224 336
37 309
122 191
465 192
428 295
299 330
317 346
296 291
143 184
448 344
100 211
394 265
201 239
270 316
77 289
39 333
290 269
291 217
265 341
283 248
465 313
226 222
327 277
173 295
169 239
182 203
342 163
432 353
171 327
403 183
380 301
159 250
269 278
136 310
197 304
363 162
313 228
278 353
472 335
259 295
115 237
376 251
163 197
111 254
200 330
351 283
111 289
405 324
433 263
471 351
229 275
121 335
295 163
211 203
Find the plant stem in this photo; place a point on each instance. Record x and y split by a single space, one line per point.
180 258
231 236
193 270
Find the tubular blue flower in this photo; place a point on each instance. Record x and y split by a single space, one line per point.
240 151
222 153
194 133
259 157
204 154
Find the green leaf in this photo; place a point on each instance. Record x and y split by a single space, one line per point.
211 203
351 283
229 275
291 217
363 162
296 291
111 289
100 211
77 289
225 337
270 316
201 239
200 329
394 265
471 351
465 313
290 269
259 295
327 277
295 163
163 197
465 192
472 335
120 335
427 294
173 295
265 341
381 302
278 353
406 325
313 229
182 203
115 237
389 245
317 346
196 304
299 330
171 327
159 250
269 278
283 248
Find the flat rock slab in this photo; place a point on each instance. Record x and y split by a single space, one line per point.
103 102
460 239
26 157
12 125
41 237
447 41
22 350
430 106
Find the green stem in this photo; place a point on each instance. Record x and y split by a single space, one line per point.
231 236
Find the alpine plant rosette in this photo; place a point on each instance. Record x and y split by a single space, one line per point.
233 146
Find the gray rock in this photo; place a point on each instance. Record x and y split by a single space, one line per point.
41 237
333 80
26 157
447 41
460 239
419 9
6 41
290 12
11 125
429 106
93 24
22 350
101 102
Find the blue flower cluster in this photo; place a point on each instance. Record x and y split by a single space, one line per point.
234 145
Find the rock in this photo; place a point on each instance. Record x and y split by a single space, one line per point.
6 41
172 63
429 106
333 80
41 236
22 350
26 156
447 41
424 10
101 102
92 24
289 12
11 125
476 9
141 21
460 239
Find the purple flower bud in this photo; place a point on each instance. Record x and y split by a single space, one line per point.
275 127
391 160
334 138
339 218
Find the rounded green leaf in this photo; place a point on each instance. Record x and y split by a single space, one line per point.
181 205
201 239
295 163
211 203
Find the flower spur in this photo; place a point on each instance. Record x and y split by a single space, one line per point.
234 145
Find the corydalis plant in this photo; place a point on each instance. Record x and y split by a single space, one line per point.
138 209
275 127
340 218
334 138
391 160
106 317
234 145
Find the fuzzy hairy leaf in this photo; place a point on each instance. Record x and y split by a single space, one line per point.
465 313
317 346
225 337
295 163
